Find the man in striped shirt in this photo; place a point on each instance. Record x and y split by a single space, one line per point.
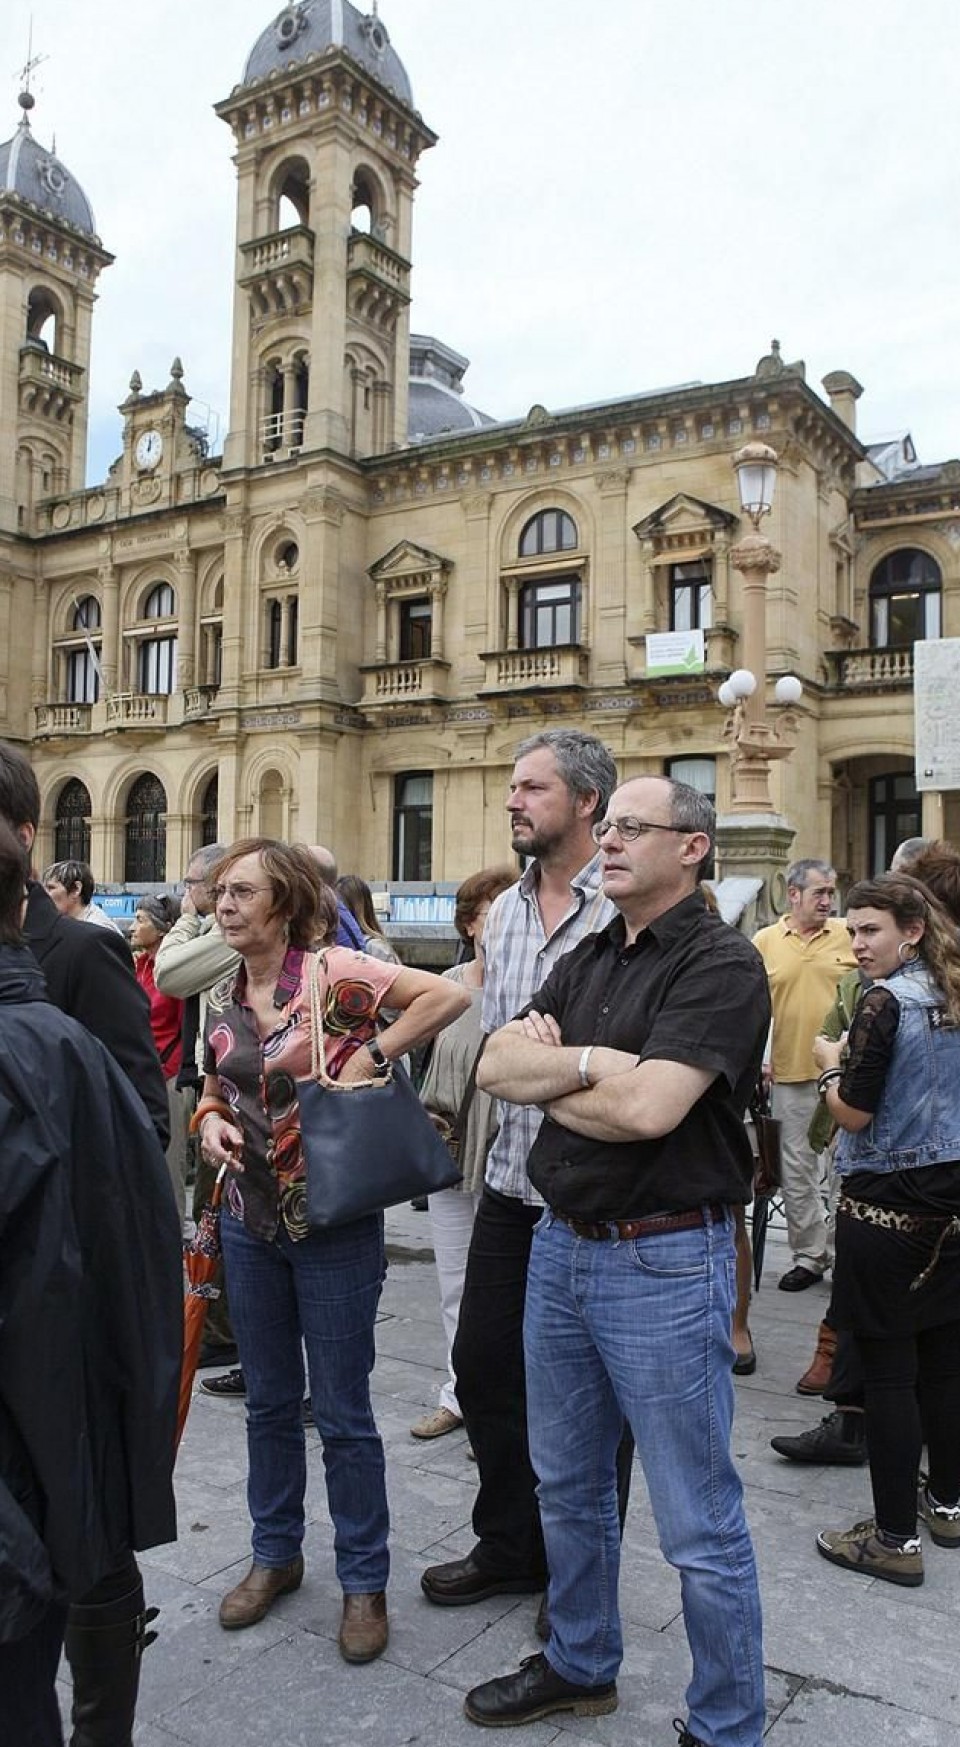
561 782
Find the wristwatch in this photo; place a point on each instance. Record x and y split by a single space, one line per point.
380 1062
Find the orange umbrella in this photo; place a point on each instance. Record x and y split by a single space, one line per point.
201 1259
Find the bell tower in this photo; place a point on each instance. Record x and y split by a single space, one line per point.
50 259
327 144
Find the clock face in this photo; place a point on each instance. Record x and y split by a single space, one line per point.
149 449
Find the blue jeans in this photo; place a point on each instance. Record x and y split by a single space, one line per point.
323 1290
640 1329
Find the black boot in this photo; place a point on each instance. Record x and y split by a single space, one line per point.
104 1642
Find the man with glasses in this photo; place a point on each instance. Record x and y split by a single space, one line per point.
642 1048
805 954
560 784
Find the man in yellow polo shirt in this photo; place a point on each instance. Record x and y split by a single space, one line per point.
805 954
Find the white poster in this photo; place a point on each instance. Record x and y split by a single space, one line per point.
674 652
936 705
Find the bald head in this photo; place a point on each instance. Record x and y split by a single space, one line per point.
326 862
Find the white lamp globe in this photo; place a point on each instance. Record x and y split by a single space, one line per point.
742 683
788 690
726 696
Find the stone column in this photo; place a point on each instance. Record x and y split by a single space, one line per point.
187 618
109 579
513 612
381 644
437 595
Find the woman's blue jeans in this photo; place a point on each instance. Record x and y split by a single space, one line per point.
323 1291
640 1329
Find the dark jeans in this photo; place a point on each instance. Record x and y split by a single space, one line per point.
29 1711
491 1390
912 1385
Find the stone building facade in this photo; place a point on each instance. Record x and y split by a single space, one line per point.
339 628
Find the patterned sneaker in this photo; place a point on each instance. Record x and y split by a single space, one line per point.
861 1549
943 1520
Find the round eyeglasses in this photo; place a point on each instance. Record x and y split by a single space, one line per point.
628 829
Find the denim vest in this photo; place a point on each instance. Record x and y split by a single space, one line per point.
918 1119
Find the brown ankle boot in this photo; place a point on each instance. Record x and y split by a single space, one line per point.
253 1598
364 1629
814 1380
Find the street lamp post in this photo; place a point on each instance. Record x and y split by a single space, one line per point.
752 840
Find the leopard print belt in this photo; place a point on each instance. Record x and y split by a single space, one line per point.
889 1220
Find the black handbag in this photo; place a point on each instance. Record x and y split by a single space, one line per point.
768 1130
366 1145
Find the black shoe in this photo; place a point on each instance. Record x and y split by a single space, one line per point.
463 1581
213 1354
798 1279
840 1440
745 1364
536 1691
420 1204
231 1386
684 1737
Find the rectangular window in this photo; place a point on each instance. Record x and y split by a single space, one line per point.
157 667
293 619
83 681
274 632
697 773
691 597
550 613
413 826
416 625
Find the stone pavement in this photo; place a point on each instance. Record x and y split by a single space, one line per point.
847 1662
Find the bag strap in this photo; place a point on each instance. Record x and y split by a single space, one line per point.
318 1062
460 1122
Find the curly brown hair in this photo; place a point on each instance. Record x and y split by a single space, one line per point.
301 897
937 866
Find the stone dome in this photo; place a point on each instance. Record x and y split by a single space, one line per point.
314 26
36 175
436 404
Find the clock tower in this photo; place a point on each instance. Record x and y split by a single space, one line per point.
157 443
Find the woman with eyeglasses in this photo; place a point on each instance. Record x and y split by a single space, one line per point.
893 1088
290 1286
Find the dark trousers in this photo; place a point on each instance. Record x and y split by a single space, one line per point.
912 1386
491 1390
29 1711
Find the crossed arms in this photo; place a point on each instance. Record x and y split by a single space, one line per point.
526 1062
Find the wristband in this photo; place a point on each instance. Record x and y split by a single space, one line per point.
380 1062
209 1107
829 1077
583 1065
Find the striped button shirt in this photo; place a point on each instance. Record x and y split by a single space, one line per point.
519 957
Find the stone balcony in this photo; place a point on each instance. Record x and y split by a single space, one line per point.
404 682
52 720
49 385
136 710
378 281
278 270
199 701
871 669
532 670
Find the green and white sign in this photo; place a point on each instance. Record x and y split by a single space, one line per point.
674 652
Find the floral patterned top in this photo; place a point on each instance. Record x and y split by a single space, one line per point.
258 1075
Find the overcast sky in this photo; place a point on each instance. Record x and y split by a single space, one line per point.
625 194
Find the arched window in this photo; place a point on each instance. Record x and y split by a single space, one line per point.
83 659
145 832
157 656
364 205
71 827
548 531
904 599
209 807
43 320
293 196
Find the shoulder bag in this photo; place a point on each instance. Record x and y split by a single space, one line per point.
368 1144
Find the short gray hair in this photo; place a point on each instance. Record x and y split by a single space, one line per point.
207 856
798 871
691 810
583 762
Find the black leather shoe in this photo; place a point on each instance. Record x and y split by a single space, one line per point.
463 1581
798 1279
537 1690
840 1440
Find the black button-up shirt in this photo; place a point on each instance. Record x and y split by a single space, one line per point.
690 989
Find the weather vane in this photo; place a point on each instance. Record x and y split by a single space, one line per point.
33 61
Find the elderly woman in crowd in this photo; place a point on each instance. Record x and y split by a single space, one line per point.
153 920
448 1081
289 1284
71 885
894 1091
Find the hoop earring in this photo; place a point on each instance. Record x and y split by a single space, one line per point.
908 952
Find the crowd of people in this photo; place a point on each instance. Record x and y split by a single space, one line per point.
592 1263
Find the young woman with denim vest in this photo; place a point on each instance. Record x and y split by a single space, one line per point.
893 1087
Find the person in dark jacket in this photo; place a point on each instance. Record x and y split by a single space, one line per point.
91 1325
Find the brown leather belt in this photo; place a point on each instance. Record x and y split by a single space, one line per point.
650 1226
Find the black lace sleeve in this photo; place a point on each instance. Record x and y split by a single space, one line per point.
870 1046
